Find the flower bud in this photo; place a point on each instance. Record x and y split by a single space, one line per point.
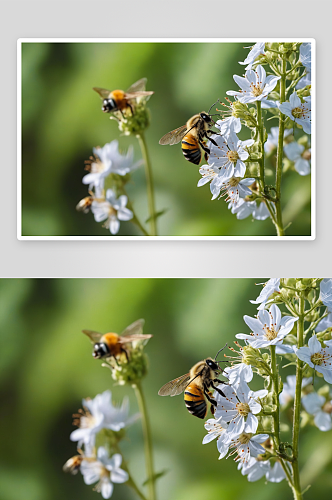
137 122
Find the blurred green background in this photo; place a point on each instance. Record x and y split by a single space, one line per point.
46 368
62 121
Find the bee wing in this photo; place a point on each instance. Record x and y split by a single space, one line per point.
137 86
93 336
104 93
175 387
142 93
132 338
135 328
174 136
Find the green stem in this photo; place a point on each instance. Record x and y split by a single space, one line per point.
275 385
280 150
276 413
131 481
139 225
297 405
149 184
147 441
261 140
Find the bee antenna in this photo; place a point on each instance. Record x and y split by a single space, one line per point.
219 352
214 105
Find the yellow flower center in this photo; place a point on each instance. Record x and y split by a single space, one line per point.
256 90
270 333
243 409
297 112
306 155
317 358
327 407
234 181
233 156
244 438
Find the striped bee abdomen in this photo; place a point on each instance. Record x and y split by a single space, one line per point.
191 149
195 401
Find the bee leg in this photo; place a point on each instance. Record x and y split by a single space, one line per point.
219 391
126 353
116 360
206 149
211 400
131 109
213 409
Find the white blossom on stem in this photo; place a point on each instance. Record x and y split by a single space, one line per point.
317 357
269 328
105 470
316 405
255 86
238 408
326 293
270 287
300 156
255 51
112 210
299 112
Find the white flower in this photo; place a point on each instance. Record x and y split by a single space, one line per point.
229 125
305 55
325 323
306 80
237 373
243 209
273 137
256 469
297 111
208 173
270 287
288 391
239 407
234 188
269 328
109 160
112 210
105 470
255 86
100 414
301 157
229 155
326 293
255 51
321 409
216 430
317 357
246 445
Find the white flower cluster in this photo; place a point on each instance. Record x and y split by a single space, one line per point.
96 465
226 166
106 206
237 424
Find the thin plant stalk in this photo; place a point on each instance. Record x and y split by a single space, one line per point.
147 441
297 405
280 149
149 184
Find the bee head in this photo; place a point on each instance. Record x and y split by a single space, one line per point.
206 117
212 364
109 105
100 350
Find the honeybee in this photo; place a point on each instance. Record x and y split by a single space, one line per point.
113 345
119 100
196 386
73 464
192 135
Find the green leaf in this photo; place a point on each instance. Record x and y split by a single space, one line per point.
155 477
157 214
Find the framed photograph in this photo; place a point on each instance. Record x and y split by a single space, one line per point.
97 117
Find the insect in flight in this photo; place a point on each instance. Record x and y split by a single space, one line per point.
110 345
196 386
119 100
192 135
